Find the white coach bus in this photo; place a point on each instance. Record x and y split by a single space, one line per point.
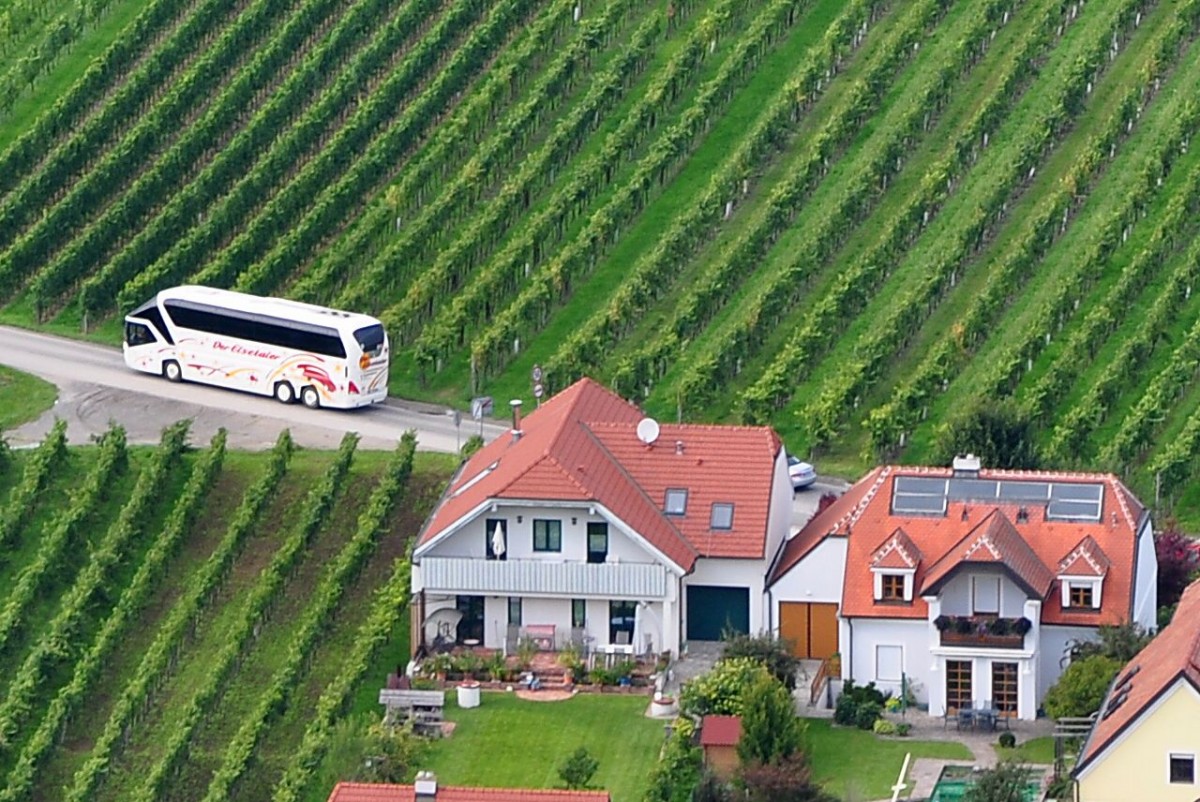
268 346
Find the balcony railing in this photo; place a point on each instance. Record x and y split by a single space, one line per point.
464 575
990 632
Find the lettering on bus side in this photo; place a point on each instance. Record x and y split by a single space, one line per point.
242 350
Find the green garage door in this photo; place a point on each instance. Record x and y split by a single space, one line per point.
711 610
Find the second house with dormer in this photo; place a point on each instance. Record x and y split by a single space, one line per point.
966 584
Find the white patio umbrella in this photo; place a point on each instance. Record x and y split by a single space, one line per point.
498 547
443 621
637 627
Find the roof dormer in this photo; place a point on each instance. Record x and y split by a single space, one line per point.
1081 575
894 567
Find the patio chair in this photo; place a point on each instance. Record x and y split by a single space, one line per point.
966 718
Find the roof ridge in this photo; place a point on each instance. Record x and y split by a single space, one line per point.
851 517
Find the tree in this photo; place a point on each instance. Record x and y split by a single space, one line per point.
1121 642
998 431
1081 688
788 780
1004 782
774 653
770 730
720 691
577 770
1178 563
712 789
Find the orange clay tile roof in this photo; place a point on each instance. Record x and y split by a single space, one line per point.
1173 655
1031 549
380 792
898 551
720 730
582 445
1086 559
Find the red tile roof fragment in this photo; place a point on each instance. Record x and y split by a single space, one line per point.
1086 559
720 730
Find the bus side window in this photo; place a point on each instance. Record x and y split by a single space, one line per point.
138 334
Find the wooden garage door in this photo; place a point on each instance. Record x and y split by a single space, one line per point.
711 610
812 628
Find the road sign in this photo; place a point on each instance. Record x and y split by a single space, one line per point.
481 407
538 391
537 374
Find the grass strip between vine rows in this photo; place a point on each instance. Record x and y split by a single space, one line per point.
266 589
154 666
20 783
372 523
62 531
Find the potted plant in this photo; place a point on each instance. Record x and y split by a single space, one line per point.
999 626
942 622
835 664
1022 625
963 625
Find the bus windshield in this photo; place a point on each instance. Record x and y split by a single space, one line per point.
370 339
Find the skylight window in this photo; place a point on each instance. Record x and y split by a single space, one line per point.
676 501
722 515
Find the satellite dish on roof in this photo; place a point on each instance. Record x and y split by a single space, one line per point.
647 430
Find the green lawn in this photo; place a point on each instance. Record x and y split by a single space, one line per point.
855 764
23 398
511 742
1037 750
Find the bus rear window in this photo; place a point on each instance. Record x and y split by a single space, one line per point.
370 339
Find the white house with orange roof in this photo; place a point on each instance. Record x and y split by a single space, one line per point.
590 523
969 584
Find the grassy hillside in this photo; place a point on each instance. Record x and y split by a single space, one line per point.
189 623
853 220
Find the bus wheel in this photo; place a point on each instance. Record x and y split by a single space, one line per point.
284 393
172 371
310 397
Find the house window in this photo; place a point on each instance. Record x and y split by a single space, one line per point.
676 501
1183 769
889 661
597 542
495 536
578 613
547 535
1080 596
958 685
985 598
514 610
722 515
891 587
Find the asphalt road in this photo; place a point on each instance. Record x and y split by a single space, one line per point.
95 389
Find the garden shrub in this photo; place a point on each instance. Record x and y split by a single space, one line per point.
1081 688
867 714
853 697
774 653
884 727
903 729
1008 740
677 774
721 690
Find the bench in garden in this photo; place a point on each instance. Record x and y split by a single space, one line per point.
423 707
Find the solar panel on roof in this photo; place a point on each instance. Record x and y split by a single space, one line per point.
1074 491
1073 510
919 504
973 489
1024 491
921 485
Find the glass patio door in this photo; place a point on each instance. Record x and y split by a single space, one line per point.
1004 688
958 685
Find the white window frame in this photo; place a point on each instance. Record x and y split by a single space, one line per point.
1067 582
1182 756
976 581
907 573
900 662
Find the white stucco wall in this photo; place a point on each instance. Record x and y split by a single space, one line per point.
729 573
816 578
471 539
1145 598
779 516
859 655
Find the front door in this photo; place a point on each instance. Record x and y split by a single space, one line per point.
470 627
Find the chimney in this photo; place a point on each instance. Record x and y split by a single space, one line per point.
1022 515
516 426
966 465
425 787
678 446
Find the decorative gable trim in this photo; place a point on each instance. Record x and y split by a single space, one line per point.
899 547
1087 559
